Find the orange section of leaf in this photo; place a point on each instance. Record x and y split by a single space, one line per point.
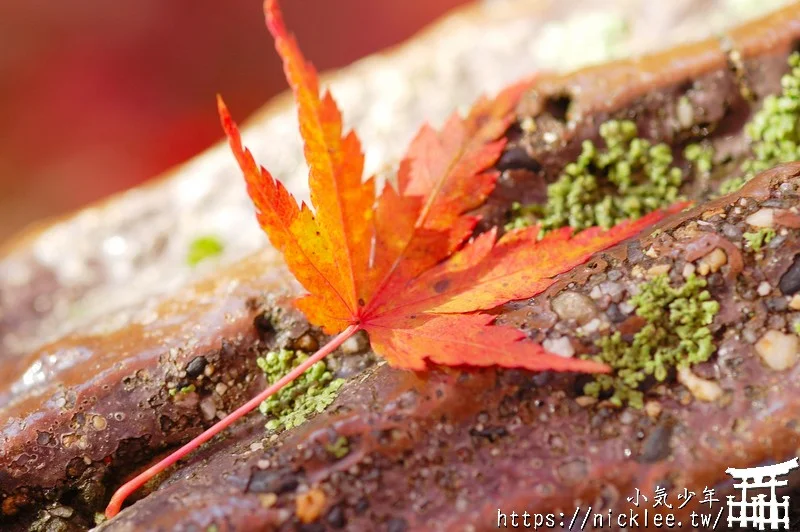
343 202
464 339
293 231
485 273
443 176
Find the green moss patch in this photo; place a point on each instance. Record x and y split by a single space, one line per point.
310 393
628 178
756 240
774 131
203 248
701 156
186 389
676 334
339 448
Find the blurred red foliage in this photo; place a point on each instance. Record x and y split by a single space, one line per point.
98 96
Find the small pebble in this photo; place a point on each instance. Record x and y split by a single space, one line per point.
658 269
790 281
794 303
701 389
586 400
614 314
731 231
653 409
571 305
306 343
61 511
715 260
772 202
528 124
688 270
777 242
208 409
635 254
357 343
750 336
268 500
626 418
778 304
196 366
613 290
761 218
559 346
764 288
593 326
685 113
778 350
517 157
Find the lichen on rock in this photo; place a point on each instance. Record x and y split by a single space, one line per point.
310 393
675 335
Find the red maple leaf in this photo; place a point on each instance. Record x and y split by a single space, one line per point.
402 265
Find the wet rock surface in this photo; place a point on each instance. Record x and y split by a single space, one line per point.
445 449
80 415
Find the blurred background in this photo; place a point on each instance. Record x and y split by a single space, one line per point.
98 96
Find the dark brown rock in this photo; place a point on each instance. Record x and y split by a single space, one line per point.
790 281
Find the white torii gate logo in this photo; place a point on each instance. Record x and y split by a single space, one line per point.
759 510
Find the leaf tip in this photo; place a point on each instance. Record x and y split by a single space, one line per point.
224 116
222 109
274 18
